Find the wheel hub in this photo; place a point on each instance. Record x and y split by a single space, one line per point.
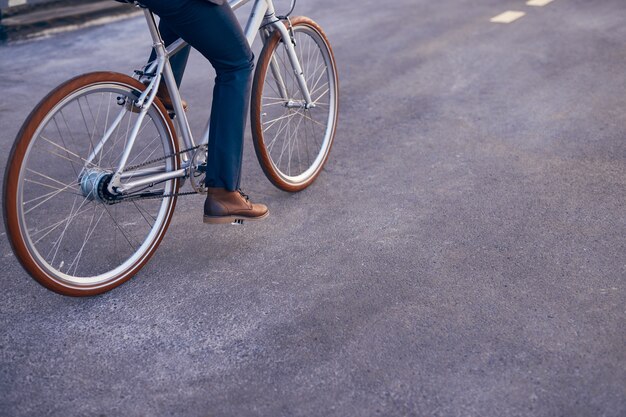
299 104
93 185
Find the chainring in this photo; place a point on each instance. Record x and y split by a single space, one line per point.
197 169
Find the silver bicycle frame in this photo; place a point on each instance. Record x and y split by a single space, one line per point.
262 15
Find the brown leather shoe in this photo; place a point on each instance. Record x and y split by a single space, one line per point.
223 206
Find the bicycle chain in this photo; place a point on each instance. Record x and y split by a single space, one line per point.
163 158
132 198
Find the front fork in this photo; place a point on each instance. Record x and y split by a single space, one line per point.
288 40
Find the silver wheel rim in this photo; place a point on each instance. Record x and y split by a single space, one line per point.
298 140
58 241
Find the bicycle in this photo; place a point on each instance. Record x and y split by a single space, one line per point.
95 171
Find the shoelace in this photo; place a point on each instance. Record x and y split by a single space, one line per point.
244 195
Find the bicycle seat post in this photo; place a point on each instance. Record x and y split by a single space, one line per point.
164 72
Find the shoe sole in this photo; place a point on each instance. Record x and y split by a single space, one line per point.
232 219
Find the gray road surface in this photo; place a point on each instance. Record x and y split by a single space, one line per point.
462 255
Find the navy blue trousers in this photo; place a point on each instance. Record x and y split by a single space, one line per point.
214 31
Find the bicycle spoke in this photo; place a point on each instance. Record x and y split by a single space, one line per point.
297 142
66 150
284 124
70 219
312 120
126 137
47 198
298 130
65 147
106 124
90 230
273 121
285 145
74 235
143 211
51 228
119 228
48 178
147 147
318 79
278 103
82 113
94 118
321 94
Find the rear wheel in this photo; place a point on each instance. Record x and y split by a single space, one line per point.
66 229
293 141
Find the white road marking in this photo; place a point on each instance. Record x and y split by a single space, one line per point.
539 3
507 17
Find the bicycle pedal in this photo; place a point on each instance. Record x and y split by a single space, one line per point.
237 222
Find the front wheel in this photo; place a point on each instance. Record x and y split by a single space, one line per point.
292 140
67 231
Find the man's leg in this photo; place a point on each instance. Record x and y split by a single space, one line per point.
215 32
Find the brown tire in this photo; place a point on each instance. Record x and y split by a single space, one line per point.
292 141
70 239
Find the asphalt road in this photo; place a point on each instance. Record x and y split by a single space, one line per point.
463 254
